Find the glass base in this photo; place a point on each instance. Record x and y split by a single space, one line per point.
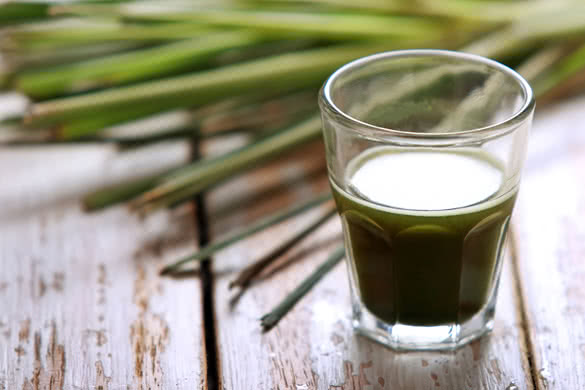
423 338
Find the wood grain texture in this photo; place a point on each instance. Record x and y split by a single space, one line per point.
81 304
550 243
314 346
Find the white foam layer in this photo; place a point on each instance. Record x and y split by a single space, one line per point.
425 181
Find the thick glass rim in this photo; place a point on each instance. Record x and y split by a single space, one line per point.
495 130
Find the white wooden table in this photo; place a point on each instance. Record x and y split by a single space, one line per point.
82 306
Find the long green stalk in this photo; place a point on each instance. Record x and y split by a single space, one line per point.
477 11
66 36
568 67
270 319
239 235
260 114
247 274
141 140
542 61
128 10
50 57
200 175
104 120
564 24
119 193
42 138
281 73
491 11
321 25
252 118
132 66
100 119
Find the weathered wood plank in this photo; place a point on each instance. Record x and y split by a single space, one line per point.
550 242
314 346
81 304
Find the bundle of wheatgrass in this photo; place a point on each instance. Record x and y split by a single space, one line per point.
211 68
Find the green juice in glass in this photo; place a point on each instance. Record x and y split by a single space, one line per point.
424 230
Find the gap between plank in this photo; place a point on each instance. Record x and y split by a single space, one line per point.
212 377
520 296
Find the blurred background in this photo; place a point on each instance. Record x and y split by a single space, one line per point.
133 73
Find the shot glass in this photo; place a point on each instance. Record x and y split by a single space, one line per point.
424 153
